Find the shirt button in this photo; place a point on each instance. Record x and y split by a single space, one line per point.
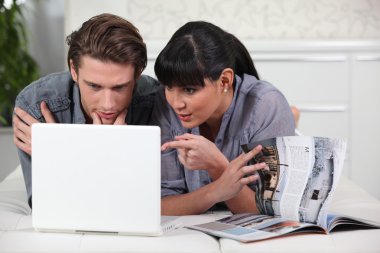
218 141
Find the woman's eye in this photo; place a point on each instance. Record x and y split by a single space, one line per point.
189 90
168 88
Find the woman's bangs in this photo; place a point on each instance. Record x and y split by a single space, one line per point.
177 65
182 73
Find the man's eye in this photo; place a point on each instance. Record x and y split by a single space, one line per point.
120 88
168 88
93 86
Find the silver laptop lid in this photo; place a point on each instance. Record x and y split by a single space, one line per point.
98 178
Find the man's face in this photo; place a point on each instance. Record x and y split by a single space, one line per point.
106 88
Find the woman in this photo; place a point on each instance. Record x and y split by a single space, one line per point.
212 103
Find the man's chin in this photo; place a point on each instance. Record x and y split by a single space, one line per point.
108 121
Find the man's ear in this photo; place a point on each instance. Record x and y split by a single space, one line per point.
138 75
74 74
227 78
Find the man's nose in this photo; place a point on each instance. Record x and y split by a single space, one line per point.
108 100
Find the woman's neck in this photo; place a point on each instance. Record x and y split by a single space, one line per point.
210 128
208 131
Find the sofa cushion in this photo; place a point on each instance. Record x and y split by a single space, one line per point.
17 234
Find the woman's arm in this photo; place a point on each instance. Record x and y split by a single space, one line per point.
227 187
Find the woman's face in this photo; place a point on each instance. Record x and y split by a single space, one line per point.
195 105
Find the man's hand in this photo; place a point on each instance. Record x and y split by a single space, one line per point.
197 152
22 122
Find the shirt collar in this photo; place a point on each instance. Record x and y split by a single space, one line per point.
78 115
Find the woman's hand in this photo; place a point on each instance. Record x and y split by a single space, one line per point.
237 175
22 122
197 152
230 187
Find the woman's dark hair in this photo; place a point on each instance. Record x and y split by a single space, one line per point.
200 50
108 37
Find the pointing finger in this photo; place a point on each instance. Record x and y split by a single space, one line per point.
187 136
185 144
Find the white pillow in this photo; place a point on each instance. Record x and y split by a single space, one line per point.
13 193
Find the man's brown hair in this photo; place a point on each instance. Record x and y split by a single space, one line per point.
108 37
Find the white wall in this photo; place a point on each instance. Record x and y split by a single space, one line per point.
8 153
350 23
247 19
335 84
45 23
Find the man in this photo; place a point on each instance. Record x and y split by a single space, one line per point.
106 58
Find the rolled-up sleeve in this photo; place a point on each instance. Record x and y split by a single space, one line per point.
173 181
172 175
273 116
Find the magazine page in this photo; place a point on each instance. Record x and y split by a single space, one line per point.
280 187
302 174
330 154
250 227
334 220
292 193
299 155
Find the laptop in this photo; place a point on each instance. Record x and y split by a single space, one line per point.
97 178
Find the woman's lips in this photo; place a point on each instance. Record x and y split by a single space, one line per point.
184 117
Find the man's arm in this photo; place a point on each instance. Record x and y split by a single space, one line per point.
22 122
22 137
26 164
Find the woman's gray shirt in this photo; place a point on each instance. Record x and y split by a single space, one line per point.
258 111
62 96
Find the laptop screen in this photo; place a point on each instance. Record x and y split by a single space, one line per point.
102 178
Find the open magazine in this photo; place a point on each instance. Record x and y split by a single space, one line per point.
292 193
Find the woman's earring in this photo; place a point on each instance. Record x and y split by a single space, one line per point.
225 90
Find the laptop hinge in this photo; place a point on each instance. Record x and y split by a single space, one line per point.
96 232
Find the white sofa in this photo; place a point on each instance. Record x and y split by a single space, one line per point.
17 234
